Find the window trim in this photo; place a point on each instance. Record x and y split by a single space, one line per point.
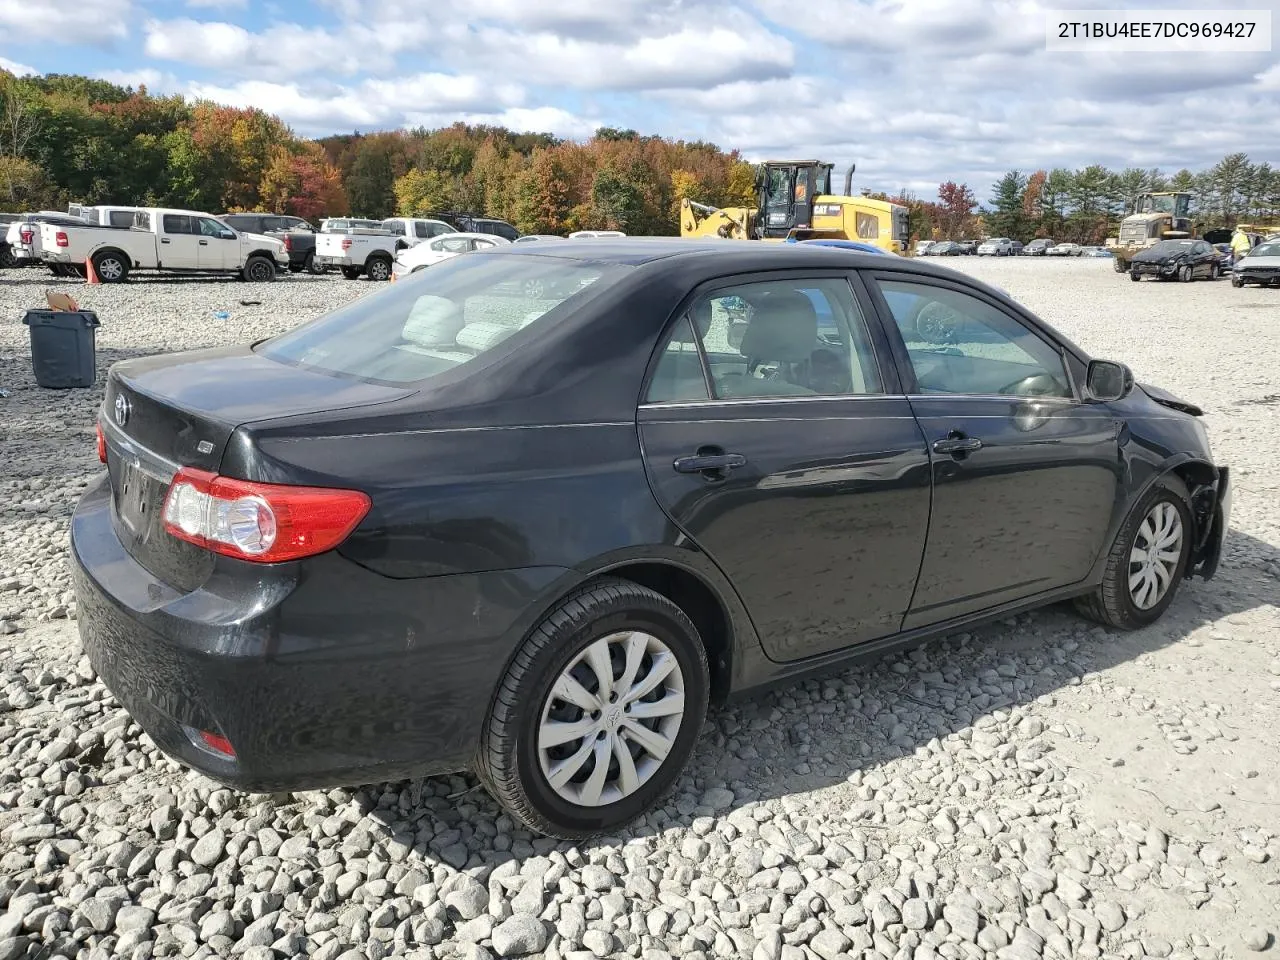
881 350
898 345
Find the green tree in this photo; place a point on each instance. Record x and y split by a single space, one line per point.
615 199
371 183
421 192
1006 218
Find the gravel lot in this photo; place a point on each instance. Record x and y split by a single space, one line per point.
1037 788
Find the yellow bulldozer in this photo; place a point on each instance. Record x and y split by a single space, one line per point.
795 202
1156 217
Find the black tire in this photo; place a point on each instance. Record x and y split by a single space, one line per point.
1135 276
1111 604
111 267
311 266
378 268
7 260
58 269
1237 281
259 269
295 267
352 273
508 763
1186 273
1120 266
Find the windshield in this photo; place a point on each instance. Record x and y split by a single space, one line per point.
443 317
1166 247
1156 205
1266 250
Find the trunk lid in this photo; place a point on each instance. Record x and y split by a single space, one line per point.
180 410
330 244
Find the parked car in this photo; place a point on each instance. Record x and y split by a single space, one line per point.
1261 265
1064 250
414 230
7 259
1184 260
1038 247
997 247
1096 252
531 237
451 524
297 235
580 234
844 245
442 248
471 223
165 240
947 248
968 248
22 237
1016 248
357 251
922 247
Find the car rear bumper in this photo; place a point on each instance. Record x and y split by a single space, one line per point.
319 673
329 260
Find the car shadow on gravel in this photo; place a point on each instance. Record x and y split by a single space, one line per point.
822 732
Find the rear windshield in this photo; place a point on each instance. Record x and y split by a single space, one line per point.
443 317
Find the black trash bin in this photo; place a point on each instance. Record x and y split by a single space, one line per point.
63 347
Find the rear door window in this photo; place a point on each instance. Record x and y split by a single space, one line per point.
176 223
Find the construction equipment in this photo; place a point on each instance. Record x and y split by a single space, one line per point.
794 202
1156 217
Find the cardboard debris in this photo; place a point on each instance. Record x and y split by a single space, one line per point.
61 301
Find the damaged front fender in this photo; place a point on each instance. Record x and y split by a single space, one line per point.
1212 506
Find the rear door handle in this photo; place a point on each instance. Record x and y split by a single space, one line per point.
957 443
703 463
204 243
164 239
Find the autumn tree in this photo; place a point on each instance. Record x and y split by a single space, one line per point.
956 204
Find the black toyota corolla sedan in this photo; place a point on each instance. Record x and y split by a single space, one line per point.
529 511
1185 260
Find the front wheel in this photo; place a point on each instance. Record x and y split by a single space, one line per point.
1237 281
259 270
1120 266
597 715
1135 276
1185 273
1147 561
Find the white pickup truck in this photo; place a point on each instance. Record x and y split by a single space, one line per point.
173 241
359 250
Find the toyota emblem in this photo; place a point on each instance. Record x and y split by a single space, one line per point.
122 409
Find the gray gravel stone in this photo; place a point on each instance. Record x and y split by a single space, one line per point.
519 936
1256 939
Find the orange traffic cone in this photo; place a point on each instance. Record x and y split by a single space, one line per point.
393 275
90 274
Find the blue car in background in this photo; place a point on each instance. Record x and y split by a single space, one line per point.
844 245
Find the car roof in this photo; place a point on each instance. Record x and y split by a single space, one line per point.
712 254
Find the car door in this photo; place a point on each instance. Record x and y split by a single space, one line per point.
791 457
179 245
218 246
1025 476
1204 259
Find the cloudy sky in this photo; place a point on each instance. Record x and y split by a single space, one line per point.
914 91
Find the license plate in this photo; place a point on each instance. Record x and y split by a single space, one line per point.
131 499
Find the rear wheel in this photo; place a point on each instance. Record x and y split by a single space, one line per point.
352 273
597 715
378 268
1147 561
111 267
1120 266
259 270
7 259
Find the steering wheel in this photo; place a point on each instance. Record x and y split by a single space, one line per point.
1036 385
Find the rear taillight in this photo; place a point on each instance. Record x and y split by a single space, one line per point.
27 234
61 239
102 443
346 243
264 522
288 242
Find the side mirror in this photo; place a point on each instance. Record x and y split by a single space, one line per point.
1107 381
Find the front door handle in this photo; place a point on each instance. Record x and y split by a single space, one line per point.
957 443
709 462
204 243
164 239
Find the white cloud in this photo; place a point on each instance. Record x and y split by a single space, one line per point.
219 4
371 105
156 82
95 24
17 69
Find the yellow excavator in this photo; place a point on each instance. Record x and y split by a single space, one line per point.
1156 217
794 202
